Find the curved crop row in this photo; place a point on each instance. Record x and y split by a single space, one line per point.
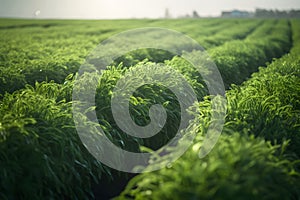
239 59
238 31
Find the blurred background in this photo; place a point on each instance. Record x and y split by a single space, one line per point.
116 9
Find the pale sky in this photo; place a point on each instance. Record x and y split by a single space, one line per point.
112 9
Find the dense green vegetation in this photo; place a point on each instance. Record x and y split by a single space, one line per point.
50 50
257 156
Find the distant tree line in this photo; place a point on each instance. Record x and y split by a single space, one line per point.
277 13
262 13
259 13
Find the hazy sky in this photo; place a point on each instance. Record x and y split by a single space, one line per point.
132 8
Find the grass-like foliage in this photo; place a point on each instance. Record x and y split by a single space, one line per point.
41 154
257 157
239 167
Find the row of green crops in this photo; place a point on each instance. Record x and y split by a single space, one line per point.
240 30
50 50
257 155
238 59
41 154
149 95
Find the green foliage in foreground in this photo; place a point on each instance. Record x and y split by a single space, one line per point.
241 166
41 155
268 104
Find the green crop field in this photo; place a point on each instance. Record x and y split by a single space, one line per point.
256 157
